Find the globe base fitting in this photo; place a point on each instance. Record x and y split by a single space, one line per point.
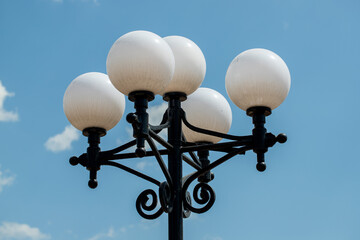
182 96
141 94
98 131
258 110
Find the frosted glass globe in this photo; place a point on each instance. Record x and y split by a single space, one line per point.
257 77
92 101
140 61
190 65
208 109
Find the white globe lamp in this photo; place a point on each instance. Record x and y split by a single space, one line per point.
207 109
190 65
91 101
257 78
140 61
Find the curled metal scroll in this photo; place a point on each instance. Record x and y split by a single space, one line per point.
203 194
187 212
142 204
165 197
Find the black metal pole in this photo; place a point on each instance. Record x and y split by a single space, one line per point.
175 168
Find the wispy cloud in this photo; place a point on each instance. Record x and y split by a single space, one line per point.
129 132
109 234
12 230
6 116
96 2
6 179
156 113
144 164
62 141
127 231
286 25
207 237
148 225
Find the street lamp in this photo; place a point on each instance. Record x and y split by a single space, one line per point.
141 64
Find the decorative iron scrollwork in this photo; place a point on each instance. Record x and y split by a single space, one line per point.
203 194
165 197
142 204
187 212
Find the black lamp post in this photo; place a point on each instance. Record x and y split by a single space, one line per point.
94 106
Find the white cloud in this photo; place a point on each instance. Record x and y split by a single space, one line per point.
126 232
286 26
123 229
148 225
207 237
62 141
6 116
95 2
143 164
5 180
109 234
12 231
129 132
156 113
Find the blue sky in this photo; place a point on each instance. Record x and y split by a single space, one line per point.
311 187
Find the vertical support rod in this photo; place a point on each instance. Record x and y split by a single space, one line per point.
141 121
93 150
141 104
259 133
175 169
204 160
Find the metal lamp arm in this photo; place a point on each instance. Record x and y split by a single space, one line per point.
130 170
160 161
165 123
224 147
208 132
160 140
191 162
108 153
167 145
